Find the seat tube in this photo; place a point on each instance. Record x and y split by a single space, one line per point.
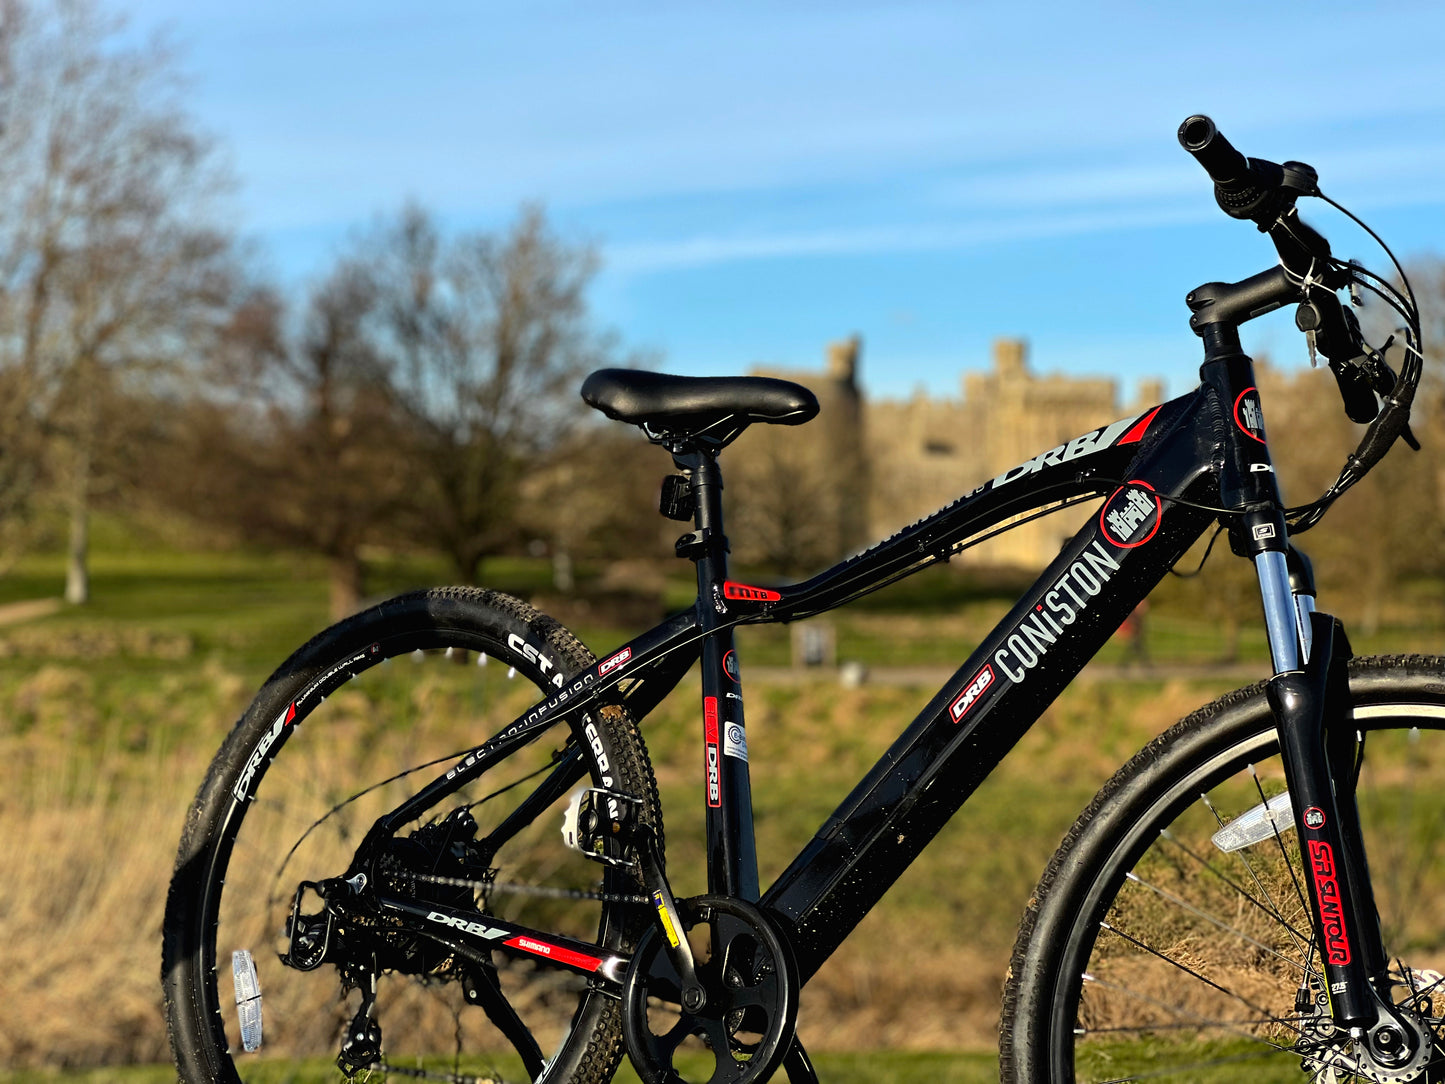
732 863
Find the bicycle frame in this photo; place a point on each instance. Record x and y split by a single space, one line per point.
1162 473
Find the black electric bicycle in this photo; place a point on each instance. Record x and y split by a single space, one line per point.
436 871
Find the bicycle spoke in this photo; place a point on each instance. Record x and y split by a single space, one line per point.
1243 855
1283 854
1192 1025
1191 972
1198 1021
1218 922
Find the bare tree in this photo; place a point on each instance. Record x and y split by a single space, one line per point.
783 505
112 271
1381 531
487 338
296 442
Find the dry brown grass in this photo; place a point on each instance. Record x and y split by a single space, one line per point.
87 839
96 773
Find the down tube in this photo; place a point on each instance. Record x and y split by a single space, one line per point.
1114 561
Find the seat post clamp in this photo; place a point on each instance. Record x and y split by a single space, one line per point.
695 544
677 500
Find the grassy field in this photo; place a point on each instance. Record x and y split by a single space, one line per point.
904 1067
109 714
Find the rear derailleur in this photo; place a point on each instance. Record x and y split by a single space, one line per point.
349 931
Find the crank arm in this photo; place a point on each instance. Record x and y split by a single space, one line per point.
669 921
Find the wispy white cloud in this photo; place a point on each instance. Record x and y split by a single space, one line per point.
645 257
1067 201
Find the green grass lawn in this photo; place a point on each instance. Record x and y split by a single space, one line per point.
155 600
869 1068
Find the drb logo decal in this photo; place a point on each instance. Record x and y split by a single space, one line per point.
710 740
616 661
981 683
1131 515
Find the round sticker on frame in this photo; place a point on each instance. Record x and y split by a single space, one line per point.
1249 415
1131 515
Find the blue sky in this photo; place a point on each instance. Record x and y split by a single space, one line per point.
760 178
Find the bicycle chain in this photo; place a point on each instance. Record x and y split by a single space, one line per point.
511 888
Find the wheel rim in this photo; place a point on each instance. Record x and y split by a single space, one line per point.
1187 961
401 724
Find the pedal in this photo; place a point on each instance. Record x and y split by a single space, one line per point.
309 935
602 824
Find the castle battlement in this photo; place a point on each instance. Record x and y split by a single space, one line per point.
887 462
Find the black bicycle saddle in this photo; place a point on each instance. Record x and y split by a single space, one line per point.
691 404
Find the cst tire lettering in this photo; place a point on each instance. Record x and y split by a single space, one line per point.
534 655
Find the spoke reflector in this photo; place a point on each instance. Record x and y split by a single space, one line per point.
248 998
1256 825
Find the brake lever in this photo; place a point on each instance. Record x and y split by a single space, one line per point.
1333 330
1383 378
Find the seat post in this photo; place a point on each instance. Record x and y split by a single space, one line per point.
727 786
705 480
706 545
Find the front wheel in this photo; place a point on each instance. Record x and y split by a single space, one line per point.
350 727
1157 948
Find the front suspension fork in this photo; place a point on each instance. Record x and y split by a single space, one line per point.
1318 746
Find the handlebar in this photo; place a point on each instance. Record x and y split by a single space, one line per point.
1225 165
1250 188
1265 193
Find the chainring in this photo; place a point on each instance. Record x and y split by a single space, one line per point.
746 970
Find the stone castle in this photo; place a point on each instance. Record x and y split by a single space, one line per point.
880 465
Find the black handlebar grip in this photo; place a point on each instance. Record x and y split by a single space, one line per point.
1226 166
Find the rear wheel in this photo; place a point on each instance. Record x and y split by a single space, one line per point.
351 726
1151 951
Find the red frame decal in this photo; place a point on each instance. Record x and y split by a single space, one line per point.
746 593
713 762
1327 889
1250 433
620 659
1158 515
1135 435
554 952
